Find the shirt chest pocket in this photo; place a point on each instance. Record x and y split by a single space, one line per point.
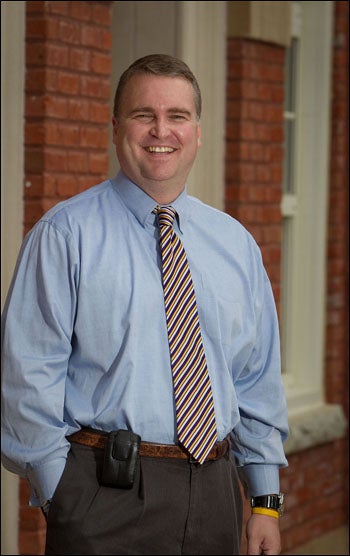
220 315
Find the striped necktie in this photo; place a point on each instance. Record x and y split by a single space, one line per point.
195 415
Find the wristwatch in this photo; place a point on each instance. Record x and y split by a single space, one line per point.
270 501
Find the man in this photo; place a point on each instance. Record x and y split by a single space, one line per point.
87 351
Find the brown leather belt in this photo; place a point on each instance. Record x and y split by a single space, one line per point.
98 439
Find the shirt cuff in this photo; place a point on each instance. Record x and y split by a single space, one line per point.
43 480
259 479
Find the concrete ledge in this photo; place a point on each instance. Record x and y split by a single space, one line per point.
314 426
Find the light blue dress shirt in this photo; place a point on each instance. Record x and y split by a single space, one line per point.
84 339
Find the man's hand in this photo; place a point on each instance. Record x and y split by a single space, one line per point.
263 535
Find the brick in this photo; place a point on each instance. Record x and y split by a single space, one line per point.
34 106
273 193
55 159
45 28
91 36
34 133
262 132
277 94
40 185
36 54
102 14
101 63
77 162
68 83
32 543
79 59
248 130
62 133
59 8
99 113
263 173
84 182
236 150
33 160
56 107
35 28
98 163
274 73
272 234
78 109
34 7
247 173
31 518
256 194
67 185
57 55
80 10
263 92
276 133
90 136
33 211
35 80
90 86
69 32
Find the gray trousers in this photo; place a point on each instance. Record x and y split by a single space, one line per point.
174 507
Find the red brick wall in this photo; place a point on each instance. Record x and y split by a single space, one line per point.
67 114
316 481
68 63
337 354
254 145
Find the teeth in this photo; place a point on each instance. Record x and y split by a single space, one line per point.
160 149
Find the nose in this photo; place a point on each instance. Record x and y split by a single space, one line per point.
159 128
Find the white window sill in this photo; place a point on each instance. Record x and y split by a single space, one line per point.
315 425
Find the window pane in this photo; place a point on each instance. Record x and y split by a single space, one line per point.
287 250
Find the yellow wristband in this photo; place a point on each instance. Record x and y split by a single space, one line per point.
266 511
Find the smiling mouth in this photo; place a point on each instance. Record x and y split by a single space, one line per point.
160 149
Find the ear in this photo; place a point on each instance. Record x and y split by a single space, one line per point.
115 129
199 135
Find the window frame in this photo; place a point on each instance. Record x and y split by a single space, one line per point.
304 284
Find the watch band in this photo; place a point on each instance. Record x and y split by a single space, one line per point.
270 501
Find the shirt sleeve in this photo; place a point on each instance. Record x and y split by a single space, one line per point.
37 324
263 427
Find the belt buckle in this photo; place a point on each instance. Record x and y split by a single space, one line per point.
192 460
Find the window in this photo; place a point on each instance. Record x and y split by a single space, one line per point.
304 209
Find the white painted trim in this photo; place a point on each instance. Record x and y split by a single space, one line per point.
12 176
306 326
202 45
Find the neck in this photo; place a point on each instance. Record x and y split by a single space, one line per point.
163 194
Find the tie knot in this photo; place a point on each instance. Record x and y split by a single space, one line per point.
166 215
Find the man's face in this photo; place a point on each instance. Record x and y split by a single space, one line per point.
157 134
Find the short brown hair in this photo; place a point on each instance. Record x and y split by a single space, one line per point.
158 64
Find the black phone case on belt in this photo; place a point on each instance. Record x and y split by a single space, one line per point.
120 459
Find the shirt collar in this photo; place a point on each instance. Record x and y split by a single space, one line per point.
141 204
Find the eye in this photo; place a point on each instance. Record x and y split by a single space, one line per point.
143 117
177 117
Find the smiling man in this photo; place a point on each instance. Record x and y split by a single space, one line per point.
157 133
141 369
